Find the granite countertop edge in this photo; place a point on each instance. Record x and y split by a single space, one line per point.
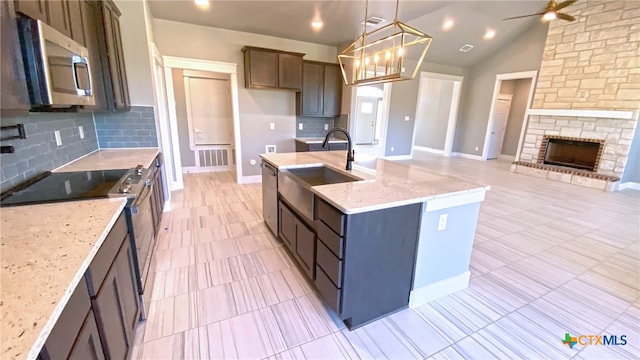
317 140
138 153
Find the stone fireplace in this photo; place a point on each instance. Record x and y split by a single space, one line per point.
580 147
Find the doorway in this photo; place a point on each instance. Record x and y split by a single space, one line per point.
228 157
503 141
499 125
205 118
436 112
368 112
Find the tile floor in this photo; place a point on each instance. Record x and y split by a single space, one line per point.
549 258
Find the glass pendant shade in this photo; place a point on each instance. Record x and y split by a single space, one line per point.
385 54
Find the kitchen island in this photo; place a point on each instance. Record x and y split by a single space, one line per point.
379 239
46 250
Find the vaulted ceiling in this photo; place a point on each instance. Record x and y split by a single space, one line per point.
343 21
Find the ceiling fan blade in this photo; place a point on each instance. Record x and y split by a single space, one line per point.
523 16
564 4
565 17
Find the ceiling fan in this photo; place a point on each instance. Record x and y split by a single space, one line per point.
551 11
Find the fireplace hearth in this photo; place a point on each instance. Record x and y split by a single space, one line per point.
577 153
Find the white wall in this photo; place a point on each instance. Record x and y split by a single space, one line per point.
136 52
257 108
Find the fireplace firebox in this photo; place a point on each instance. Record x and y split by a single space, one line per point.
571 152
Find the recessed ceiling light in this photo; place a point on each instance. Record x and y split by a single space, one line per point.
448 24
490 34
202 3
317 24
466 48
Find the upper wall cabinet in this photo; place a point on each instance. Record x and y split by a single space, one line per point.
272 69
117 90
63 15
321 90
14 99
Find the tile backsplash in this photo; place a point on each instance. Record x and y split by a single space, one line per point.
135 128
38 152
312 126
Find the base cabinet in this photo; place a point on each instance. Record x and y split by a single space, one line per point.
101 316
299 238
361 264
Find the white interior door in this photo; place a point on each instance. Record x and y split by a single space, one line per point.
366 117
209 111
499 125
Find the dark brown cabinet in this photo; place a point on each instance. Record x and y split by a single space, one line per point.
59 16
14 99
321 93
117 91
101 315
36 9
113 291
272 69
299 238
88 345
94 42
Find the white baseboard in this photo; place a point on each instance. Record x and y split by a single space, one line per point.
398 157
468 156
250 179
629 185
438 289
195 169
506 157
428 149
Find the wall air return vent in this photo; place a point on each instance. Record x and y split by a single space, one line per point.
466 48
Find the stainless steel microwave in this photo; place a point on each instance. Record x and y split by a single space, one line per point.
57 68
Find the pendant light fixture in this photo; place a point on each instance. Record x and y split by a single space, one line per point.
385 54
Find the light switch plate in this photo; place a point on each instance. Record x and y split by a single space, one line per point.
326 126
300 127
81 131
272 126
442 222
270 149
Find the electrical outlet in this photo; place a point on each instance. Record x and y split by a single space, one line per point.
407 118
476 148
270 149
81 131
272 126
56 134
300 127
393 149
326 126
442 222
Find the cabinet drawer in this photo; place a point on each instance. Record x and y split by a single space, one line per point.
287 227
334 242
330 216
330 264
63 335
328 291
104 258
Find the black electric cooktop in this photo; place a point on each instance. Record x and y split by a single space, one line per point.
63 186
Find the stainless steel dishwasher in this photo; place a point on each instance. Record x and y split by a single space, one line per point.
270 197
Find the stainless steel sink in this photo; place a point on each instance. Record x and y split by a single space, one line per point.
294 185
321 175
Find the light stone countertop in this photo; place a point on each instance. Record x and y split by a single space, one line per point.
319 140
110 159
46 250
386 183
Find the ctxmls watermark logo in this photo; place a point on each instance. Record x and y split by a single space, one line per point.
591 339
